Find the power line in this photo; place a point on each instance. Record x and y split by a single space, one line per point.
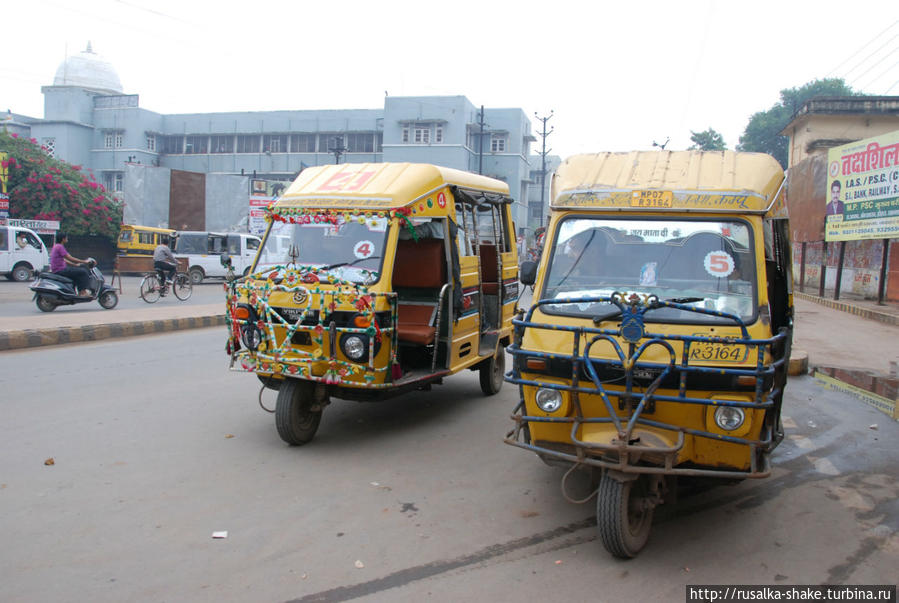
882 74
865 45
871 55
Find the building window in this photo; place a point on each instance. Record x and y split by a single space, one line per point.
151 142
114 181
172 145
119 139
302 143
406 135
222 144
274 143
498 143
422 135
49 145
438 134
360 143
196 145
326 141
248 143
379 142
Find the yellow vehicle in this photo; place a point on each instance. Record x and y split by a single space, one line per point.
374 280
660 341
141 240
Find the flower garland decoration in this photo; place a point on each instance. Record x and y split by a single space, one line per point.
302 215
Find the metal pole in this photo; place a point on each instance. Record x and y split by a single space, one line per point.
802 269
543 153
481 142
836 292
881 286
823 268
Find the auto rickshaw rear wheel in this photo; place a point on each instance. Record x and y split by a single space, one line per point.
624 514
491 372
295 420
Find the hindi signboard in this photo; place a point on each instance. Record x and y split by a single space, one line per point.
863 190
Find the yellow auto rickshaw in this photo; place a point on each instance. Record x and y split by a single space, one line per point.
140 241
659 341
374 280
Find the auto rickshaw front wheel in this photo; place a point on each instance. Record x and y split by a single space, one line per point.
491 372
295 418
624 509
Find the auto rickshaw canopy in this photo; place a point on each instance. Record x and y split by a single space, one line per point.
381 186
691 181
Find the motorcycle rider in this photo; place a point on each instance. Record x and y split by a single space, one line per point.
65 264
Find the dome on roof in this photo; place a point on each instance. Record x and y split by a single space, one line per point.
88 70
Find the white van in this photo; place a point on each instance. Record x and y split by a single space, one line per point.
22 253
204 250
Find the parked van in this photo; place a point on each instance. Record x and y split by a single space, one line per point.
142 240
22 253
203 251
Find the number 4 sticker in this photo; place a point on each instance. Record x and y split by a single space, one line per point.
718 263
364 249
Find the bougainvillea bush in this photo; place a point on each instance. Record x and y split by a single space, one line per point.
43 188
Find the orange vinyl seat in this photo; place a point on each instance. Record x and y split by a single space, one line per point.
420 266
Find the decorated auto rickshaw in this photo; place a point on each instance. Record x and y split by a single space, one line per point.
658 343
374 280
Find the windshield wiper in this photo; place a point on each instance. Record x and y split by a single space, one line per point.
356 261
685 300
611 313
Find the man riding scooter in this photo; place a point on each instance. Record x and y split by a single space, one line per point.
65 264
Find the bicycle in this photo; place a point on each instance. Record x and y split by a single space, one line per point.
151 291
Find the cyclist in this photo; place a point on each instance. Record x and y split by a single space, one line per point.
165 264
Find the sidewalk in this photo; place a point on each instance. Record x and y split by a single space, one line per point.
70 327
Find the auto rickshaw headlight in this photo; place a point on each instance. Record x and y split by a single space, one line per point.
251 336
729 418
354 347
548 400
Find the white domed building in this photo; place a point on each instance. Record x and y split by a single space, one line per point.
89 71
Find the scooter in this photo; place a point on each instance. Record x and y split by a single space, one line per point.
52 290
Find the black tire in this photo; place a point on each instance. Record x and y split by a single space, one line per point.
491 372
149 289
182 287
45 304
196 275
622 518
108 300
21 272
295 422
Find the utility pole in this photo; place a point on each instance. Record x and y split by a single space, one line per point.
543 154
481 125
338 149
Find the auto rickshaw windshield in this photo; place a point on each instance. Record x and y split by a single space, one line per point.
351 249
706 263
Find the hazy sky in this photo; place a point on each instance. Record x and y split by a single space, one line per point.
618 75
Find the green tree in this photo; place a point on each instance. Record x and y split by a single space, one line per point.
710 140
43 188
762 133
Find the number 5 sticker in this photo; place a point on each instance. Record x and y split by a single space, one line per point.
364 249
718 263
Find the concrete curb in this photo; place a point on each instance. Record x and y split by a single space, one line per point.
883 317
31 338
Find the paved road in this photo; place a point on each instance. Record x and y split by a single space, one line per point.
16 299
420 490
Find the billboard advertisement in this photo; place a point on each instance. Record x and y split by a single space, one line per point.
4 175
863 190
262 194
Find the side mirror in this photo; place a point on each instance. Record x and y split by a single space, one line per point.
528 273
225 259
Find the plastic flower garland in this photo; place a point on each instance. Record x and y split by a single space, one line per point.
290 279
301 215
